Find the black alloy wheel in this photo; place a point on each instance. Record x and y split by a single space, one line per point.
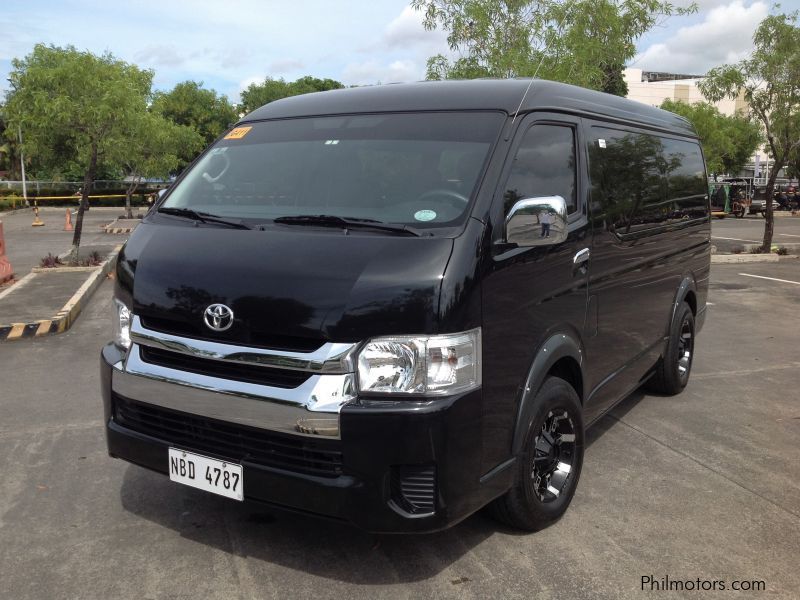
554 453
674 367
549 466
685 349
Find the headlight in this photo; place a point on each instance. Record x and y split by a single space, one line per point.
122 324
435 365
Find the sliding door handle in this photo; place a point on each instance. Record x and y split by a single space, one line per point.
582 256
580 262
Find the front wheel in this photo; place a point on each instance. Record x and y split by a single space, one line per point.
550 465
674 368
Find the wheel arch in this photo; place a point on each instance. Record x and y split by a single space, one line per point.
561 355
687 291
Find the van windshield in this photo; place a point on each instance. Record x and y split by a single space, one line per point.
417 169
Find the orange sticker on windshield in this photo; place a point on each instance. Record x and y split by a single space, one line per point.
238 133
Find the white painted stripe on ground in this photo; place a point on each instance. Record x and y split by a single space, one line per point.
771 278
20 283
716 237
789 234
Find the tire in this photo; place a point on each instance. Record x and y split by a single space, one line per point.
555 439
673 369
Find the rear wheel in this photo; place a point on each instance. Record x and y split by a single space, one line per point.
550 464
674 368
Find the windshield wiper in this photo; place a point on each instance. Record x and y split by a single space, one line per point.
347 223
203 217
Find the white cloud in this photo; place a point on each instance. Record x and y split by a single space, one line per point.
373 71
403 49
406 29
285 65
724 36
160 55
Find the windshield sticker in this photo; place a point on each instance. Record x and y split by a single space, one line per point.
237 133
425 215
601 142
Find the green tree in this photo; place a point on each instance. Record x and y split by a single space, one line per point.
153 149
9 147
728 141
584 42
259 94
188 103
770 81
71 102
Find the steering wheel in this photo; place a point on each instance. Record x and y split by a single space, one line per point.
227 161
451 195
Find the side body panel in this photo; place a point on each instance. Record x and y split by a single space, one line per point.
651 246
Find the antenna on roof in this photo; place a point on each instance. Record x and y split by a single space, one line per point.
539 66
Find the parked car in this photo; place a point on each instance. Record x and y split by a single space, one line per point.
758 204
394 305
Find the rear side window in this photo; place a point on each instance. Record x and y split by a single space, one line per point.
686 178
641 181
544 166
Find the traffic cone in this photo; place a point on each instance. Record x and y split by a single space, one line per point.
37 222
6 272
68 221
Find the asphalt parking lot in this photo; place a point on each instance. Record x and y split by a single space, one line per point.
703 485
730 232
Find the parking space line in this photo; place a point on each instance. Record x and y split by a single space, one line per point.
716 237
789 234
770 278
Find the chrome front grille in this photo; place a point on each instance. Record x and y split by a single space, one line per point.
299 393
194 328
282 378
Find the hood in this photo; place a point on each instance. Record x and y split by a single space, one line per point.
292 289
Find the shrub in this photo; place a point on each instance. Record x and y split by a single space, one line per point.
51 262
93 260
738 249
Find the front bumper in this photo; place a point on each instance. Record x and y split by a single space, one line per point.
380 441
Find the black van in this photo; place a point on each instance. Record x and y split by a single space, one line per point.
395 305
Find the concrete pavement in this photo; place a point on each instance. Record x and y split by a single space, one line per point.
705 484
27 245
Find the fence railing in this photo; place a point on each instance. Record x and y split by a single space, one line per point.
36 187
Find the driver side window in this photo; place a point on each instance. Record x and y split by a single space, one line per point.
544 165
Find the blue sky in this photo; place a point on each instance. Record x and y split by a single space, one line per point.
229 44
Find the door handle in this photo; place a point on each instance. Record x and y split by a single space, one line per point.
581 257
580 261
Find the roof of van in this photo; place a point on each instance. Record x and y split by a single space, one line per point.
476 94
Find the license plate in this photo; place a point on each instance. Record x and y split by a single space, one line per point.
204 473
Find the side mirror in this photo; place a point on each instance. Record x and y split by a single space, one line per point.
537 222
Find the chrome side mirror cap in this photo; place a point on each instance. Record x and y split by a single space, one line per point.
538 221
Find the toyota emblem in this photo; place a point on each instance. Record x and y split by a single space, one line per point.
218 317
